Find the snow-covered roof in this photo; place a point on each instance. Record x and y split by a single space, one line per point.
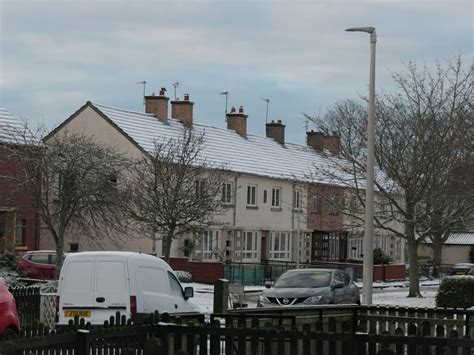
10 126
224 148
461 238
458 238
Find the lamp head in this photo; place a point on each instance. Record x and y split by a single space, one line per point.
370 30
361 29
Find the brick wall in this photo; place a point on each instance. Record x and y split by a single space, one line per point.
389 272
203 272
21 204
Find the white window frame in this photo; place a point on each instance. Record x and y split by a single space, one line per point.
334 204
316 207
210 244
227 189
276 197
252 195
199 186
280 246
296 199
250 254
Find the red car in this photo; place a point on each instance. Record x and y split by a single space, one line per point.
39 264
9 320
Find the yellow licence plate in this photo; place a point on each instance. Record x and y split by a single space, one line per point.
80 314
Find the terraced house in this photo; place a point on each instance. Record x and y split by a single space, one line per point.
19 221
279 204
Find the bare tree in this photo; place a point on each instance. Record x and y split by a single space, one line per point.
421 137
174 190
75 181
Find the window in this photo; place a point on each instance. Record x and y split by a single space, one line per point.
210 246
250 246
252 195
227 192
334 203
175 285
316 203
280 245
66 185
276 197
20 232
199 186
113 181
353 203
296 199
40 259
355 250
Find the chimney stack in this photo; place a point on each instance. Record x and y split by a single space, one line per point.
182 110
276 130
158 105
320 142
237 121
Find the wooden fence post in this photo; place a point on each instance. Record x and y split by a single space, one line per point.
153 346
221 296
83 342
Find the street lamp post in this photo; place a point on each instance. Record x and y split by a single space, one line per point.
368 267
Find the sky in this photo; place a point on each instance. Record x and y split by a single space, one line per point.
56 55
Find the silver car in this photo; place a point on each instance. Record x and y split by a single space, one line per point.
306 287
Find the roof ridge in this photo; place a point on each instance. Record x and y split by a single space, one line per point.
204 125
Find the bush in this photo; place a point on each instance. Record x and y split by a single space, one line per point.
380 258
9 262
456 292
184 276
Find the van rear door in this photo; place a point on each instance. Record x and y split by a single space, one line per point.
111 290
76 293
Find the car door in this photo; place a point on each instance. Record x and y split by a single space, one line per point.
349 288
339 293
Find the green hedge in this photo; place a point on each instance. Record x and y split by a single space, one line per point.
456 292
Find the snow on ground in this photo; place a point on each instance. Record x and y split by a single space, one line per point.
399 298
388 293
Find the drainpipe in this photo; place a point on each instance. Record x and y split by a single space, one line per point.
234 214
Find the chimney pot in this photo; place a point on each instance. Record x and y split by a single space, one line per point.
182 110
276 131
320 142
162 91
237 121
157 106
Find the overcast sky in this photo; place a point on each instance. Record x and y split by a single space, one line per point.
56 55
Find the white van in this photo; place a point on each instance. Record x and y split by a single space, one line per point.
95 285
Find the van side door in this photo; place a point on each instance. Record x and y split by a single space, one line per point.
152 288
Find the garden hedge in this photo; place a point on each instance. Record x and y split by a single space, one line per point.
456 292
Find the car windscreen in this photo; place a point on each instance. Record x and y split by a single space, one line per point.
304 279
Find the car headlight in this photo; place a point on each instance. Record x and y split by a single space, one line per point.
263 299
313 299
